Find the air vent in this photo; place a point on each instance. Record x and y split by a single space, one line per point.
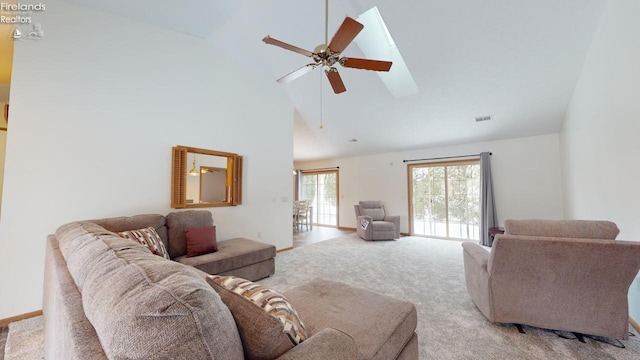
483 118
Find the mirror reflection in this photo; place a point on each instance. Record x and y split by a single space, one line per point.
205 178
213 184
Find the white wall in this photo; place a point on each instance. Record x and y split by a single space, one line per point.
526 178
97 105
599 137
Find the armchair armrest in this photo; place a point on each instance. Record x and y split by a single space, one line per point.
327 344
364 233
476 253
363 217
396 220
477 278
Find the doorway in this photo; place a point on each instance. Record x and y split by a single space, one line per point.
321 189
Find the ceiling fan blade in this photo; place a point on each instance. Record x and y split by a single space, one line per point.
345 35
366 64
297 73
271 41
335 80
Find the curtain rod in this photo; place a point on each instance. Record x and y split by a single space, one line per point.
443 158
329 168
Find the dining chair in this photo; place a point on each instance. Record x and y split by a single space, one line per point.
296 206
303 213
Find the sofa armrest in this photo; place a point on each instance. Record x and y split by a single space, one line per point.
327 344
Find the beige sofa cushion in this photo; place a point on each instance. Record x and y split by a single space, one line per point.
381 325
177 222
232 254
268 324
79 246
124 223
583 229
164 309
68 334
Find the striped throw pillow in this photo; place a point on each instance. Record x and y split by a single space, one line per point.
244 298
148 237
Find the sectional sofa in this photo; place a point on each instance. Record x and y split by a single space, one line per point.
241 257
108 297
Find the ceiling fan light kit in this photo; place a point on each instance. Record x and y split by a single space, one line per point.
327 55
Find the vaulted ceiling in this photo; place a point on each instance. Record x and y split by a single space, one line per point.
516 61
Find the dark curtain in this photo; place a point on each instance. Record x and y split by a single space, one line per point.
488 217
299 185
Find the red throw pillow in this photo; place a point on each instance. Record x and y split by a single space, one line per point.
201 240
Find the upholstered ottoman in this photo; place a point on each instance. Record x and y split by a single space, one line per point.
383 327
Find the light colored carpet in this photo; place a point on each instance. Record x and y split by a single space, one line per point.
430 274
25 340
427 272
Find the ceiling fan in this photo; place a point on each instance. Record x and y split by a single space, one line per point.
328 54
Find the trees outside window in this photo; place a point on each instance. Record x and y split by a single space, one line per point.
321 188
445 199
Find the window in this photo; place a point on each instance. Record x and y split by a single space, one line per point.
322 189
445 199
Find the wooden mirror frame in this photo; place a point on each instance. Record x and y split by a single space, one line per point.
179 165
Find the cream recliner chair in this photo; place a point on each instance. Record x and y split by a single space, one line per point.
568 275
372 222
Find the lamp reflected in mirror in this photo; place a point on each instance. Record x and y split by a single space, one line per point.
194 171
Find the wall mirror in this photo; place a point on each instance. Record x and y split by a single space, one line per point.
205 178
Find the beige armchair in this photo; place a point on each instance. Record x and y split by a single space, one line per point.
559 275
372 222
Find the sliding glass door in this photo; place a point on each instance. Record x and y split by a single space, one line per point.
445 199
321 188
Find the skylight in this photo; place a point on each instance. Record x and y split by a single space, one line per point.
384 26
376 43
